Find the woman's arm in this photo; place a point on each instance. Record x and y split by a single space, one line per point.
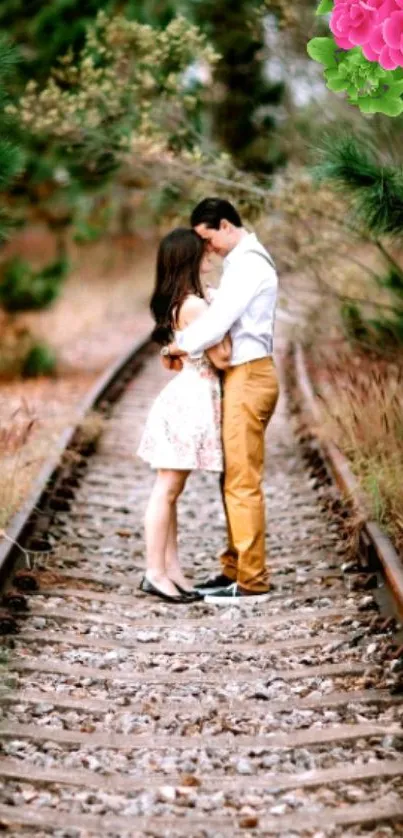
192 308
220 354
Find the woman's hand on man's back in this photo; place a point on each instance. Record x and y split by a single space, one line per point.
171 363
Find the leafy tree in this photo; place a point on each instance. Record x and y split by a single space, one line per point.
123 100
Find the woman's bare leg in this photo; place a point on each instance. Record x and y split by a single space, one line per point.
173 568
167 488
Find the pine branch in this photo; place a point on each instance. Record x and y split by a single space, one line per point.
11 162
389 258
377 190
8 58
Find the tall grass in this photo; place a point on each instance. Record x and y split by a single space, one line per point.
363 411
15 432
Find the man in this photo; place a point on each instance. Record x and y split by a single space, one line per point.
245 306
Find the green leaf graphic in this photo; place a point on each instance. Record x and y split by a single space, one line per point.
390 103
323 50
334 81
324 7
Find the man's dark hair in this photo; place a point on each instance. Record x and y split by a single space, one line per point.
211 211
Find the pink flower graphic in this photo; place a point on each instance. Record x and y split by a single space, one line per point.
351 23
374 25
372 5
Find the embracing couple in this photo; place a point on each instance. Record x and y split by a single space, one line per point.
213 414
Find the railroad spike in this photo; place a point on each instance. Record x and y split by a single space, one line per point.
8 623
26 580
15 601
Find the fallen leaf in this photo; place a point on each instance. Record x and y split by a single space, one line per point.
249 822
189 780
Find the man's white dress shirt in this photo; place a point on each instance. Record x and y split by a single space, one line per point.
244 305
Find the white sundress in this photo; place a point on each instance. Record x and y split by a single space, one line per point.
183 428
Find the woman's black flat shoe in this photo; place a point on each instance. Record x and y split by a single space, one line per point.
191 596
148 588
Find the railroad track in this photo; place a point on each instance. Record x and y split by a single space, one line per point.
128 717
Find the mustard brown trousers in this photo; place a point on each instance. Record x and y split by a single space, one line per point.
250 393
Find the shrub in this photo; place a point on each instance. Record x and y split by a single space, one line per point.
24 289
40 360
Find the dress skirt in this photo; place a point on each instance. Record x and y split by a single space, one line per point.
183 428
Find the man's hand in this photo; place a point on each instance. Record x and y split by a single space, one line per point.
171 363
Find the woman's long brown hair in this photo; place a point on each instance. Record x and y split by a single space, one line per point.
178 274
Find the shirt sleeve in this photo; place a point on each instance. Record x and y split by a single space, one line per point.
231 300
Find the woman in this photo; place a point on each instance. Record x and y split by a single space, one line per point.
183 429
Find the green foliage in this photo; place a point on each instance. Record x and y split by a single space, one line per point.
122 97
44 31
40 360
11 153
325 6
243 120
156 13
367 84
23 289
376 189
323 50
353 322
91 220
150 92
387 332
163 201
393 282
355 167
389 328
84 232
11 162
383 333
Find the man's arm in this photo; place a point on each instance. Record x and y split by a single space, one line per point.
229 303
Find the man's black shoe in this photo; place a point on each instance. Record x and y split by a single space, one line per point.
214 584
191 596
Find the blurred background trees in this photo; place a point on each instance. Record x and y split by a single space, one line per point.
111 161
117 115
245 101
124 113
11 151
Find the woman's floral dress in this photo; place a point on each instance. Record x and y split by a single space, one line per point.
183 428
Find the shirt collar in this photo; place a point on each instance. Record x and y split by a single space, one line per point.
246 243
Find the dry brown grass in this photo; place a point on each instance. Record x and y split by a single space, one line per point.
363 413
15 435
91 427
